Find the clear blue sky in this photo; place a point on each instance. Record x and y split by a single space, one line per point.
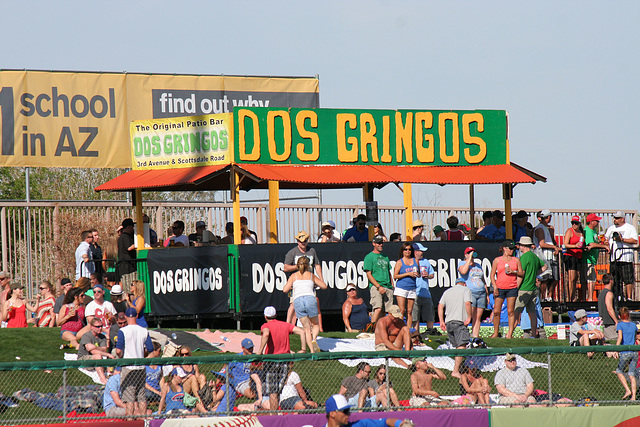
567 72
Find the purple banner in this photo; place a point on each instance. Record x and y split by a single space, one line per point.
439 417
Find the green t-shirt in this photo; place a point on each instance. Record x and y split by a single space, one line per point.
591 255
379 266
530 264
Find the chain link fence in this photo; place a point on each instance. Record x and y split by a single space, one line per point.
62 391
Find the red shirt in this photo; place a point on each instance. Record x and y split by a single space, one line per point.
279 332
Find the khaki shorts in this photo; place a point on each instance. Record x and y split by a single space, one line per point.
424 401
610 332
381 347
379 301
592 274
526 299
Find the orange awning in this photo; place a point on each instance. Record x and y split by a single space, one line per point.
358 175
316 176
164 179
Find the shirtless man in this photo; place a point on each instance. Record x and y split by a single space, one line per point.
423 393
392 333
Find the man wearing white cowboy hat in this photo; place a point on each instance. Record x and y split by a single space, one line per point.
528 291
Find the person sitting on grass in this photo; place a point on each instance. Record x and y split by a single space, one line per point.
71 316
378 388
111 402
474 385
627 336
224 398
94 346
421 379
154 379
584 334
172 397
293 395
192 379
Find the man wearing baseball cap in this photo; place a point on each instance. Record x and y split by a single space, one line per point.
455 307
328 233
582 333
621 237
290 266
275 340
202 235
423 307
528 291
544 238
591 252
338 409
377 267
133 340
241 376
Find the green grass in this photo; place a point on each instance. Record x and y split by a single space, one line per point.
573 375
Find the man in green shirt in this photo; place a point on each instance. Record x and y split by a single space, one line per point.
528 291
377 267
590 255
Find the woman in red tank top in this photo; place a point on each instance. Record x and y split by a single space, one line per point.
572 260
15 310
505 271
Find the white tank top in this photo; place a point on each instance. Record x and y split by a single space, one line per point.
303 287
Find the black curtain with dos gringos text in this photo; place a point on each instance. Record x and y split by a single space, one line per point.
262 275
189 281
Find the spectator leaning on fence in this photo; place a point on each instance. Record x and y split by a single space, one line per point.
592 250
605 308
621 237
84 256
544 238
514 383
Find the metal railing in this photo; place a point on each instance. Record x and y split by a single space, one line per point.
60 391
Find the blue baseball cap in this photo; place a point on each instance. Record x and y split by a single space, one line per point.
337 402
460 280
419 247
247 343
131 312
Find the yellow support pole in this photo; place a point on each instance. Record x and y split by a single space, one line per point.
507 194
235 195
140 226
408 210
274 204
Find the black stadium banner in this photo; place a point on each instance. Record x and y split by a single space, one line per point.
262 276
189 281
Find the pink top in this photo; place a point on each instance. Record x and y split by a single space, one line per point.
504 280
74 324
17 317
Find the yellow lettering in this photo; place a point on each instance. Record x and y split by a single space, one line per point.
443 118
368 137
313 136
346 154
254 155
403 137
467 119
286 135
386 146
424 153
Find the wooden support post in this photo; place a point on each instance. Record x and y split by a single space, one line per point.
472 212
235 197
367 195
408 210
274 204
139 222
507 195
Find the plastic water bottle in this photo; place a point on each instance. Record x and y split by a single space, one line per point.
564 250
174 336
226 339
506 268
580 242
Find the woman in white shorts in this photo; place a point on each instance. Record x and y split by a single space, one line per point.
405 273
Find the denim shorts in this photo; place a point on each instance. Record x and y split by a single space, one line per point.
630 358
306 306
508 293
479 299
62 331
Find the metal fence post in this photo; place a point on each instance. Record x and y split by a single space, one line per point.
64 395
227 385
549 378
387 381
